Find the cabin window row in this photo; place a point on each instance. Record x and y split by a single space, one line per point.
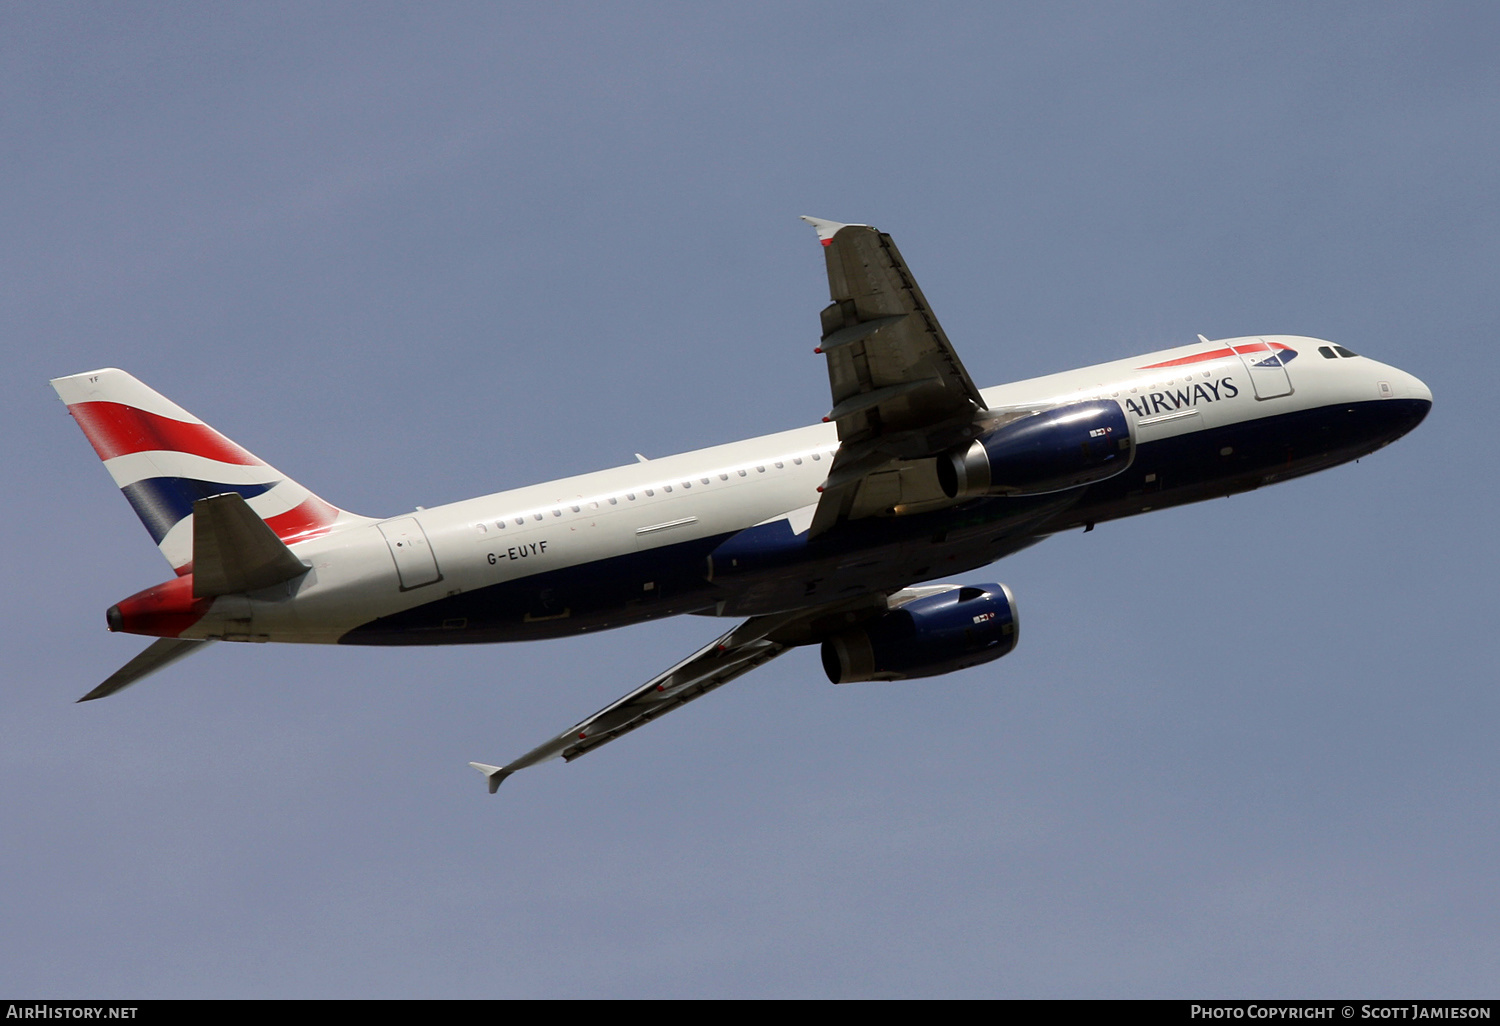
614 500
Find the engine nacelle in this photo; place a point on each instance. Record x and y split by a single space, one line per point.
1048 451
927 636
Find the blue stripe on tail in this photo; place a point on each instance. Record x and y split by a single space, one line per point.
161 502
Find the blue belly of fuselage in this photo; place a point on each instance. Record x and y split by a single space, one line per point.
768 569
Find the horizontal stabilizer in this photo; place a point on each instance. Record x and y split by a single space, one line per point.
496 774
234 550
160 653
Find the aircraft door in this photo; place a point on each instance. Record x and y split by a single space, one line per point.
415 563
1267 369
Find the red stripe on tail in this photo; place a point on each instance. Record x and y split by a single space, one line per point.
307 520
114 430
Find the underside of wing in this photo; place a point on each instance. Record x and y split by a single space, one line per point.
899 391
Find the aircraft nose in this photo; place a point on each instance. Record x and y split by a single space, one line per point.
1407 402
1417 389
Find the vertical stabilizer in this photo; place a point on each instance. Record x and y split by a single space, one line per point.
164 460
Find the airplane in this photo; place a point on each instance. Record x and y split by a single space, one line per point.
818 535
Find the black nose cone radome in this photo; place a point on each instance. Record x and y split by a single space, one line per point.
1403 415
114 619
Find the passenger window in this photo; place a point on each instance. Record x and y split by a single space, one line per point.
760 470
521 521
575 509
536 516
723 477
500 524
665 488
704 480
816 456
797 460
613 501
557 512
742 473
630 496
649 492
780 465
1327 353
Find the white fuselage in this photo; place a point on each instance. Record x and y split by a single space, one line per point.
361 574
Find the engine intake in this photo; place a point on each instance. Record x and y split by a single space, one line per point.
927 636
1048 451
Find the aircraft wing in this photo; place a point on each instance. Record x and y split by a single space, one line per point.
754 642
899 390
738 652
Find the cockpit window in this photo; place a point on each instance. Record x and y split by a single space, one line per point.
1327 352
1344 352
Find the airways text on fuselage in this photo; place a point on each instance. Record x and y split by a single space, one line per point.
1199 393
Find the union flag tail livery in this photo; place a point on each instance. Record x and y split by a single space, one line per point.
820 535
165 459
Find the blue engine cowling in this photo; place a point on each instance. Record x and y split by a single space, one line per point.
927 636
1048 451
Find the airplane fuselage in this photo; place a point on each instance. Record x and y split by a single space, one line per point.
724 530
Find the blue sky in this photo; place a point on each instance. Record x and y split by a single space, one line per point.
410 254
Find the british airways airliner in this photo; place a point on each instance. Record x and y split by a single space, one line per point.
819 535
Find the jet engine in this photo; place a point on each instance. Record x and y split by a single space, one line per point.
927 636
1045 451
